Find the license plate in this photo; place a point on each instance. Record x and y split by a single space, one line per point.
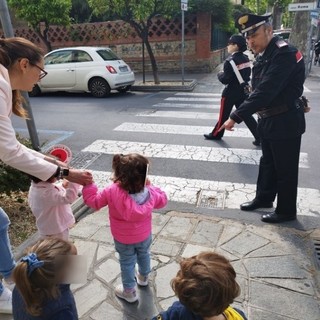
123 69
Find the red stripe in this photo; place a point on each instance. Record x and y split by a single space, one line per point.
299 56
215 132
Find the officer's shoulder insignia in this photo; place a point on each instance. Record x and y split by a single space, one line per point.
281 44
159 317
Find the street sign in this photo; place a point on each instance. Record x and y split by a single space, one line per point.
314 14
184 5
302 6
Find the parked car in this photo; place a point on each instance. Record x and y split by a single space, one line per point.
282 33
97 70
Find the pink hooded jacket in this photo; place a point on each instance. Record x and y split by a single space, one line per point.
130 222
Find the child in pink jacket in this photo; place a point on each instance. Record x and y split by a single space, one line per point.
50 203
131 200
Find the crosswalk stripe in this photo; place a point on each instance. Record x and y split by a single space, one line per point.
200 94
229 194
187 105
179 115
171 151
193 99
178 129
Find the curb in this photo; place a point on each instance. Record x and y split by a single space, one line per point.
187 87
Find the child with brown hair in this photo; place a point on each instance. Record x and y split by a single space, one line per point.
206 286
39 292
50 202
131 199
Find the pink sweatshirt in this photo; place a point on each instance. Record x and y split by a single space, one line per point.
51 205
130 222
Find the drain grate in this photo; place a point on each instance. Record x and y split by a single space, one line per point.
316 243
83 159
212 199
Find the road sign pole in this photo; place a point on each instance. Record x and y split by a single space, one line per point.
182 47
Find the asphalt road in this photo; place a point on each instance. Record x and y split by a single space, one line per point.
171 119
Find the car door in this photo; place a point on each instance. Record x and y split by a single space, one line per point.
60 66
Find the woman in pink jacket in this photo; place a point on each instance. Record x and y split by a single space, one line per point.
131 200
21 67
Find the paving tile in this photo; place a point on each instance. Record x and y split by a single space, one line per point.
274 267
192 250
163 278
84 230
103 234
177 228
107 311
90 296
166 247
108 270
207 233
104 250
244 243
283 302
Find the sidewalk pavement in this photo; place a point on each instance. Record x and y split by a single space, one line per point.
276 268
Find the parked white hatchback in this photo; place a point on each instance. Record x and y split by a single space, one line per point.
97 70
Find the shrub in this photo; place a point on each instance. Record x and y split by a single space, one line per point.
12 179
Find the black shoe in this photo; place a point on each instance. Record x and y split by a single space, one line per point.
255 204
256 143
273 217
210 136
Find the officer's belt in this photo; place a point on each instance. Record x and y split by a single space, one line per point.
266 113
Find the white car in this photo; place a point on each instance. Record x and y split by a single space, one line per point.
84 69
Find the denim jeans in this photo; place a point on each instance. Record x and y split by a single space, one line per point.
129 255
7 262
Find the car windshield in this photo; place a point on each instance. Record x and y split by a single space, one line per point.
107 54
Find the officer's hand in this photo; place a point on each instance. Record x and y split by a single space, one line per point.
228 125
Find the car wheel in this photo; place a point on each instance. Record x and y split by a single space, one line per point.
124 89
99 87
35 91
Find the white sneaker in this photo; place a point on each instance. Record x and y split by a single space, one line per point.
129 296
6 301
142 281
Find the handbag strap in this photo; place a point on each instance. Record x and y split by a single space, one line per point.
236 71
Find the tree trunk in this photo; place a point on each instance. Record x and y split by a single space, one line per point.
143 32
44 36
300 28
276 16
153 62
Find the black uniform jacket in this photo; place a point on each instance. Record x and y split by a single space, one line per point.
229 78
277 80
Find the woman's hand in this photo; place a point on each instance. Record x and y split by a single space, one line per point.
82 177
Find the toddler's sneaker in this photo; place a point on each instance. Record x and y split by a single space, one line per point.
6 301
130 295
142 280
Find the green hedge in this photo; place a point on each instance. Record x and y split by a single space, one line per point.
12 179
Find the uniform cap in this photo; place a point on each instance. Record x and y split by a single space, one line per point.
248 23
240 41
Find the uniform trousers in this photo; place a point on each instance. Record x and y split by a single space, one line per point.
226 106
278 174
